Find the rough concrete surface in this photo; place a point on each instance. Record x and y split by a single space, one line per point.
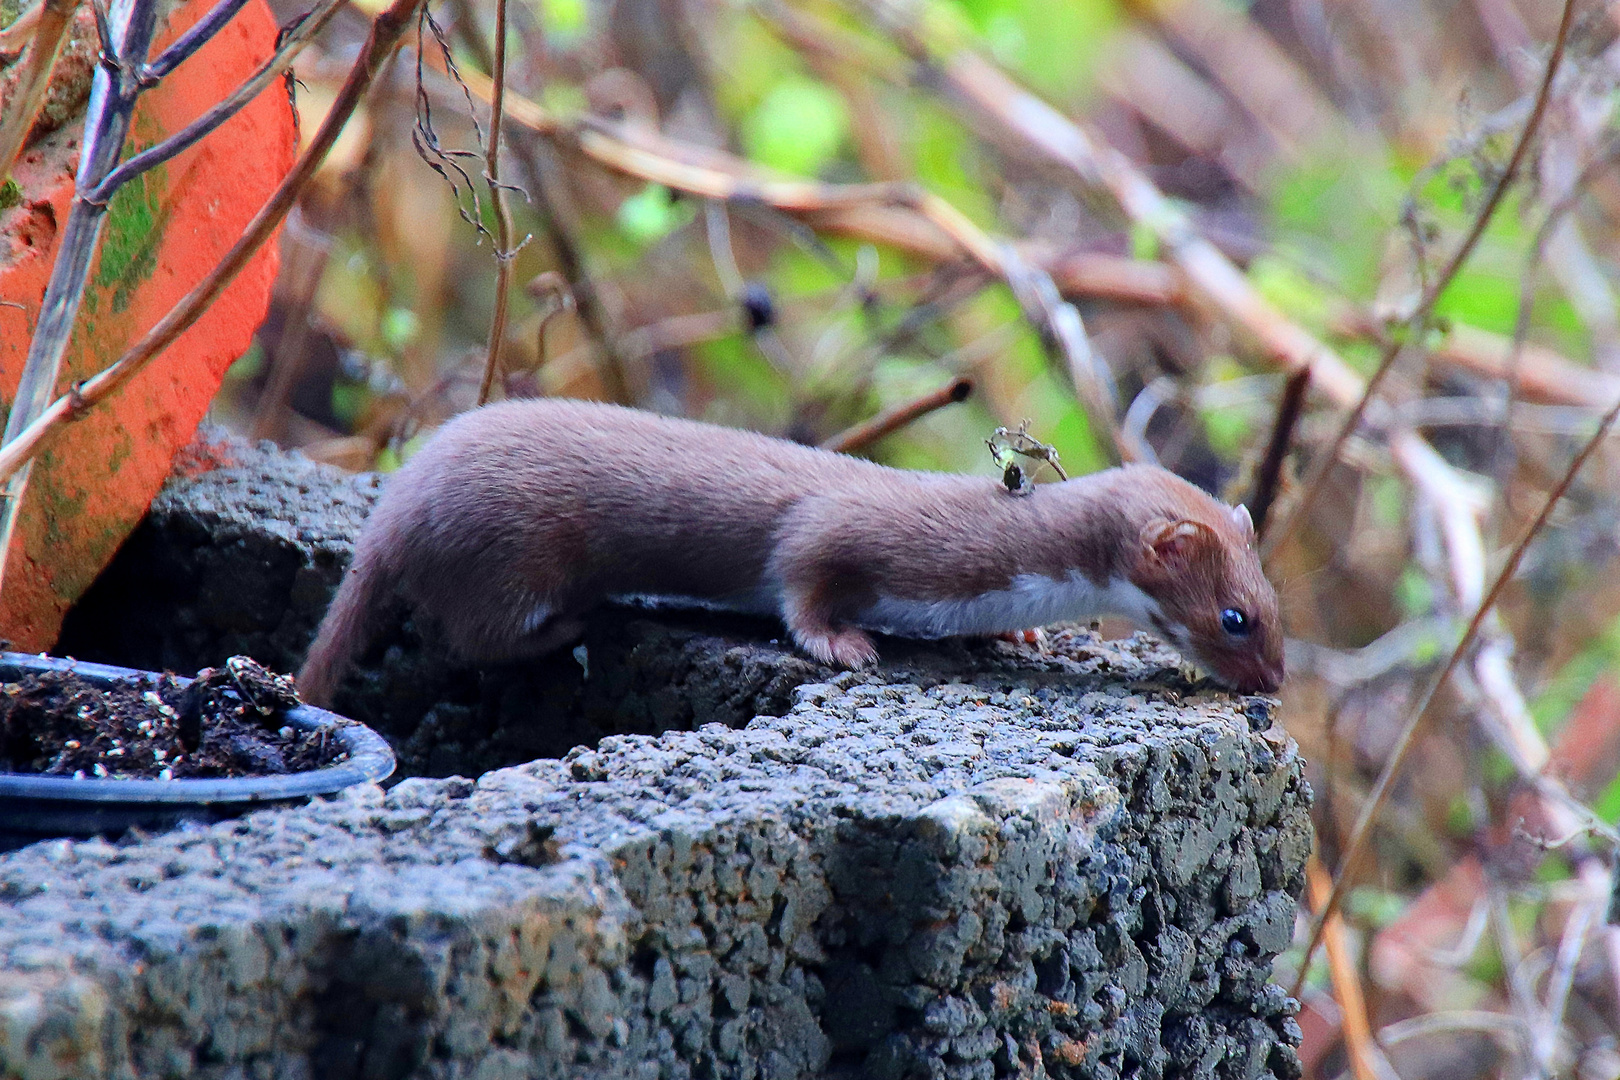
978 861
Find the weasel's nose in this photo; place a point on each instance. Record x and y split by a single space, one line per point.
1259 678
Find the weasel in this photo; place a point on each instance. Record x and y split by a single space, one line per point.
517 518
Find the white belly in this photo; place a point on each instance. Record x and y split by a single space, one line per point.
1030 600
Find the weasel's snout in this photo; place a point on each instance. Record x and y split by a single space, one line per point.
1268 683
1260 678
1253 674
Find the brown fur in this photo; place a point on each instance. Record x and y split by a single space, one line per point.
556 505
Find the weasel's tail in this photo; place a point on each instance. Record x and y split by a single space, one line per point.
345 629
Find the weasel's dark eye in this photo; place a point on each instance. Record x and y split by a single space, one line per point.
1236 623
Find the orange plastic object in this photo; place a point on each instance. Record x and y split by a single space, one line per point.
164 232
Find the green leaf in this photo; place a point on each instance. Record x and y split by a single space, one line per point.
749 385
566 18
1052 47
248 366
1607 805
799 127
400 327
1334 216
1415 592
390 459
1144 242
1481 298
1228 431
652 214
348 399
1292 290
1561 693
1374 907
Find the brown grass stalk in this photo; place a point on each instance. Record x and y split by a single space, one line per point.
889 421
1269 476
1354 1026
503 215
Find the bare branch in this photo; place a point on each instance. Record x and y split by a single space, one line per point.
889 421
192 40
503 216
1290 408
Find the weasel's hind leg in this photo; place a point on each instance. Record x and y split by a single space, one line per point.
543 630
810 623
558 631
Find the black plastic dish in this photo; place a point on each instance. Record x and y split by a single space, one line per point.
33 807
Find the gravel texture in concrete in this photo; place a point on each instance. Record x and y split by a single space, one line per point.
977 861
964 879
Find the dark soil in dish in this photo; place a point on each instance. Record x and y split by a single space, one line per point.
228 722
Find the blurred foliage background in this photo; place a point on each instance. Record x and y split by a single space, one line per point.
1225 192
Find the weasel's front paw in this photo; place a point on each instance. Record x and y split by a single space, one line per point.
1035 637
845 648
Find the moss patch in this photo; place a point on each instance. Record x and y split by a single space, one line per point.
130 242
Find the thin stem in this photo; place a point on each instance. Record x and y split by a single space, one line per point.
1357 845
104 31
386 32
550 197
1289 409
1418 324
558 217
193 39
865 434
503 219
1357 1032
268 72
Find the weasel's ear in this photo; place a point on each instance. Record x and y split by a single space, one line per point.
1174 542
1245 523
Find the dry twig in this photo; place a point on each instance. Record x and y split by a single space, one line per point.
504 253
1346 982
889 421
1266 481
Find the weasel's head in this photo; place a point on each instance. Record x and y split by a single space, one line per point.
1214 600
